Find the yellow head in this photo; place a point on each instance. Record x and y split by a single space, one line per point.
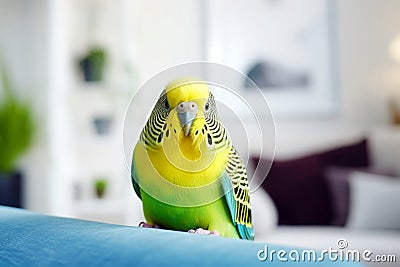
188 100
185 89
183 137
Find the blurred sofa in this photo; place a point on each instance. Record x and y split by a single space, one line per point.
329 198
29 239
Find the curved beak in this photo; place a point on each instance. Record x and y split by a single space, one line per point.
186 120
187 112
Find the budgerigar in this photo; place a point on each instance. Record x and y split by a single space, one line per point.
185 169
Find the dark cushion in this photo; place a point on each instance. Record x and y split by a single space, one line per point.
353 155
337 179
298 187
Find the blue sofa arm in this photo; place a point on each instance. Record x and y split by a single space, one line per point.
29 239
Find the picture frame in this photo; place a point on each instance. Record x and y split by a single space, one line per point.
287 48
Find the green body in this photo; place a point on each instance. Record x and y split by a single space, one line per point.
212 216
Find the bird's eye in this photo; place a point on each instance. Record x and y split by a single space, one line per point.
206 107
166 104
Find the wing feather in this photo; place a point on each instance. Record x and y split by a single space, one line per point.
235 184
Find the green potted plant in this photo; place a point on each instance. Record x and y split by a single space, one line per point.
100 185
92 64
16 134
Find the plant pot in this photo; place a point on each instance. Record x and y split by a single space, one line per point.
92 64
100 193
92 70
11 189
100 186
102 125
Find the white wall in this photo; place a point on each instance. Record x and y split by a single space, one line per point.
366 28
166 33
367 78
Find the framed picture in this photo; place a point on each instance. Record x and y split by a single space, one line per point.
286 47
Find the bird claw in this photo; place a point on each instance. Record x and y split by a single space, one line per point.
147 225
202 231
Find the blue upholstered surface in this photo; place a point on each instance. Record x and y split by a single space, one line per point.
29 239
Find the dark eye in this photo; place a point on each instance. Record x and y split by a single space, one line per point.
166 104
207 106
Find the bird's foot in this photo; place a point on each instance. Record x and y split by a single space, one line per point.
147 225
202 231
